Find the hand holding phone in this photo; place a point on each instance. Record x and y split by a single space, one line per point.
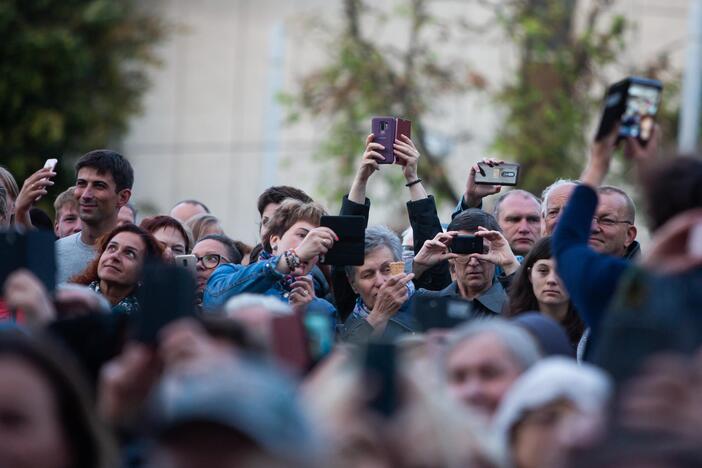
349 248
385 131
499 174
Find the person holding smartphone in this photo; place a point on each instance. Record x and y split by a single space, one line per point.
293 243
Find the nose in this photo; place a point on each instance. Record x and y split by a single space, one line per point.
473 261
595 226
380 279
523 226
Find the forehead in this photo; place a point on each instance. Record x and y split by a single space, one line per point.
209 246
518 203
301 225
270 209
91 175
560 195
544 261
376 258
168 231
128 239
611 203
479 350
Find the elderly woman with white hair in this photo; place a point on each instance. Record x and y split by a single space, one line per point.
382 307
554 406
483 358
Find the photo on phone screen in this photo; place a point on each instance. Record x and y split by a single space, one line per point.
640 112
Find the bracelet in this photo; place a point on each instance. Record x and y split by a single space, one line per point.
291 259
409 184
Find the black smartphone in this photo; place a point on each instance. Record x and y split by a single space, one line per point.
380 372
501 174
633 102
350 248
33 250
167 293
467 244
441 312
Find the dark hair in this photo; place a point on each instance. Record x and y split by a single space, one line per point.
672 187
40 219
89 442
193 202
470 219
3 204
233 253
106 161
279 193
154 223
521 291
290 212
154 251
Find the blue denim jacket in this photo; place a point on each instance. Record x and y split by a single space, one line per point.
228 280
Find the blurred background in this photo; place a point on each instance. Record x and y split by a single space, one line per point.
218 99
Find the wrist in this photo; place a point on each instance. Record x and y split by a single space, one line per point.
375 320
511 266
471 201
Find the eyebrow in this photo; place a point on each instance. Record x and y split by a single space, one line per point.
305 230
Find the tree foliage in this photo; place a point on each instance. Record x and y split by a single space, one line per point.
72 72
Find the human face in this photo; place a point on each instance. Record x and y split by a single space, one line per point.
557 200
479 371
474 276
122 260
520 222
369 277
184 211
536 441
291 239
67 221
30 431
125 216
266 217
613 231
172 241
202 249
547 285
98 199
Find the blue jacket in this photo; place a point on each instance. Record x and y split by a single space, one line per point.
591 278
228 280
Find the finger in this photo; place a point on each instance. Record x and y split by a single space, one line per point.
377 146
327 231
369 139
373 155
406 278
408 140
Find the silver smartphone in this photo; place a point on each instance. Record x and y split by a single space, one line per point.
189 262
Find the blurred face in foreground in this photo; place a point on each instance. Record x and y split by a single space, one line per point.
479 371
30 432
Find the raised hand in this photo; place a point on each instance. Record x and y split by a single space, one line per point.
499 251
406 155
391 295
476 192
433 251
33 188
317 242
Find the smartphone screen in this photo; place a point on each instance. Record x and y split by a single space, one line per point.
466 245
640 112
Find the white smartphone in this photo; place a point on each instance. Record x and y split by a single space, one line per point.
51 164
189 262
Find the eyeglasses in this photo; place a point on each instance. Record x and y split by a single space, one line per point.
608 222
211 261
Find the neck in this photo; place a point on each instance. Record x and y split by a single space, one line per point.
92 232
115 292
469 293
557 312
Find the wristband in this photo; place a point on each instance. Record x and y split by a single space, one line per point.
291 259
409 184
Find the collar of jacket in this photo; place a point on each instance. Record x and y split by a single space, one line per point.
633 251
493 299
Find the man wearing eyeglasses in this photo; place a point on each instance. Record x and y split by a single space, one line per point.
212 251
613 230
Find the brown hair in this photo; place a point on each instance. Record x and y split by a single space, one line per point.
199 223
521 291
154 223
290 212
154 251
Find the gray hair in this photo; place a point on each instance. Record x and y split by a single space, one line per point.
249 301
548 190
518 342
377 237
630 207
503 197
3 206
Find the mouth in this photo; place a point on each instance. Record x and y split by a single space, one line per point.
112 267
595 240
552 291
523 240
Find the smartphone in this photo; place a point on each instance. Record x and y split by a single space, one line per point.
385 131
501 174
633 102
189 262
467 244
350 248
380 366
33 250
290 342
441 312
319 330
167 293
50 164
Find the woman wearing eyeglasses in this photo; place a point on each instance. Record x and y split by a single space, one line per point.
212 251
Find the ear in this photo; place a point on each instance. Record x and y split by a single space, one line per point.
123 197
631 235
452 265
273 241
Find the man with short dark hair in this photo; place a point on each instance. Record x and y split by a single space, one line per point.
127 215
67 220
104 180
186 209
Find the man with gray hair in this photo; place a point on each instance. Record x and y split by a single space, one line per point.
553 199
482 360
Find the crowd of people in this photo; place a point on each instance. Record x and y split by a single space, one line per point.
564 343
